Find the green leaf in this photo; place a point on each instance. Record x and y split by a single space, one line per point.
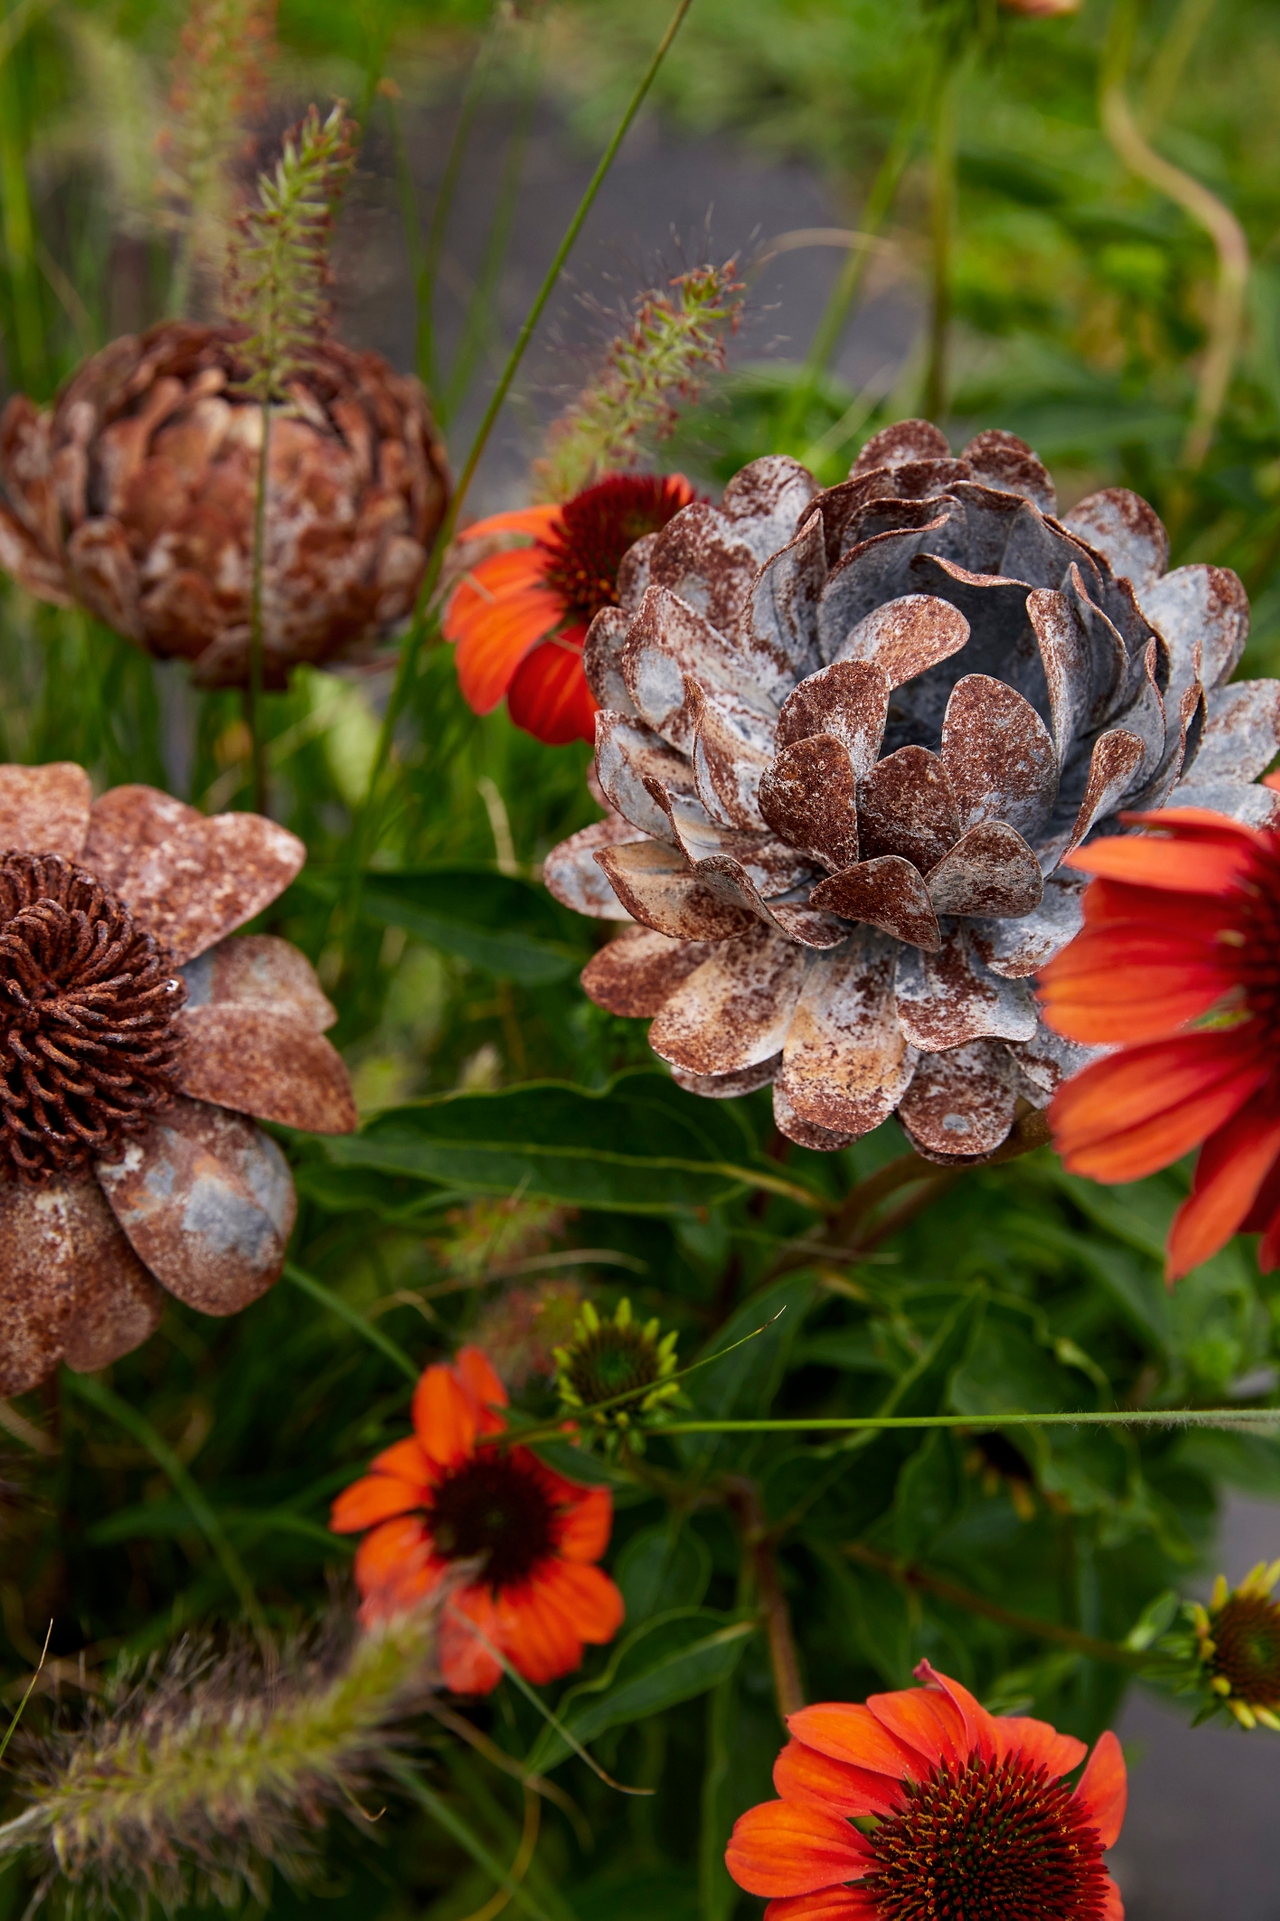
641 1146
669 1659
660 1569
495 921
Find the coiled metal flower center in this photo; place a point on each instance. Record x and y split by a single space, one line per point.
495 1509
990 1841
89 1037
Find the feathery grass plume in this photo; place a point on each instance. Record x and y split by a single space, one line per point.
219 88
676 340
277 283
197 1779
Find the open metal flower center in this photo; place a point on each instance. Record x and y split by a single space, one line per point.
1246 1638
89 1036
493 1509
611 1361
990 1841
596 528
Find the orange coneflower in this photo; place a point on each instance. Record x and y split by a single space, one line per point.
519 617
445 1496
1178 969
964 1814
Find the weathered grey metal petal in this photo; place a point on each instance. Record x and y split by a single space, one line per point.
779 623
602 659
1108 650
124 823
1125 531
1045 1061
207 1202
951 997
907 636
730 754
1001 642
209 878
998 756
1016 949
1182 745
961 1101
44 810
888 893
820 1139
809 797
633 573
906 806
636 974
574 877
1200 604
1142 711
734 1010
770 864
806 924
850 700
989 515
1242 732
667 643
270 1064
259 970
1255 806
656 886
767 501
1115 768
630 757
727 1087
1001 460
876 570
846 1063
117 1304
699 556
903 440
990 870
1079 684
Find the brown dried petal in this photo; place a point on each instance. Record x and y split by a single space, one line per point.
572 875
102 575
263 971
124 823
888 893
948 998
210 878
907 636
1000 459
44 810
734 1010
267 1063
636 974
35 570
849 699
998 755
990 870
809 797
655 885
906 806
846 1062
961 1101
208 1203
1127 532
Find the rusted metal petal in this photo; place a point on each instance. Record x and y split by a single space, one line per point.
207 1201
54 1242
951 997
210 878
268 1063
727 1087
907 636
990 870
630 759
656 886
667 642
809 797
766 501
572 875
103 575
636 974
846 1062
124 823
699 556
906 806
904 440
633 574
888 893
1125 531
1016 949
961 1101
1142 709
1001 460
998 756
778 628
1114 768
263 971
118 1305
849 699
996 608
1045 1061
800 922
1254 806
44 810
875 570
602 660
30 563
1242 732
820 1140
770 864
734 1010
1200 604
730 754
1182 745
1084 663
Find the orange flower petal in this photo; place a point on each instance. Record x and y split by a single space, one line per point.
1110 903
926 1721
1213 865
786 1847
582 1530
517 520
475 1370
1104 1789
849 1732
1233 1164
1112 1905
407 1460
548 695
539 1637
1137 1111
398 1548
978 1725
585 1595
375 1498
466 1664
1037 1743
495 640
446 1416
828 1904
802 1774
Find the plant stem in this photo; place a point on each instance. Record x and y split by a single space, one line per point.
253 692
1205 208
744 1498
942 214
336 1305
27 366
1215 1417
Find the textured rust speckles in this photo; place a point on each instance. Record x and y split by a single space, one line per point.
698 556
44 810
905 440
809 797
38 1278
1126 531
1200 605
735 1009
1242 732
117 1304
573 876
907 636
961 1101
1113 766
951 997
1001 460
728 1087
846 1062
998 755
637 974
906 806
655 885
630 757
207 1202
260 970
850 700
265 1062
989 871
210 877
124 823
888 893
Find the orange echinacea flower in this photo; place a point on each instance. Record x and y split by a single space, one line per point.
519 617
970 1815
1178 968
443 1496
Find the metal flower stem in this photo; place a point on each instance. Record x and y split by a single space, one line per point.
253 692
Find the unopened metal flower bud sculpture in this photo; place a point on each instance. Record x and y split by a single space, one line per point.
848 739
138 1037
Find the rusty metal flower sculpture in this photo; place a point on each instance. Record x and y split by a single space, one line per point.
847 740
138 1034
134 496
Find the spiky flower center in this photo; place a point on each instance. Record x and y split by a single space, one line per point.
596 528
494 1509
1246 1643
89 1036
1258 965
613 1360
989 1841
